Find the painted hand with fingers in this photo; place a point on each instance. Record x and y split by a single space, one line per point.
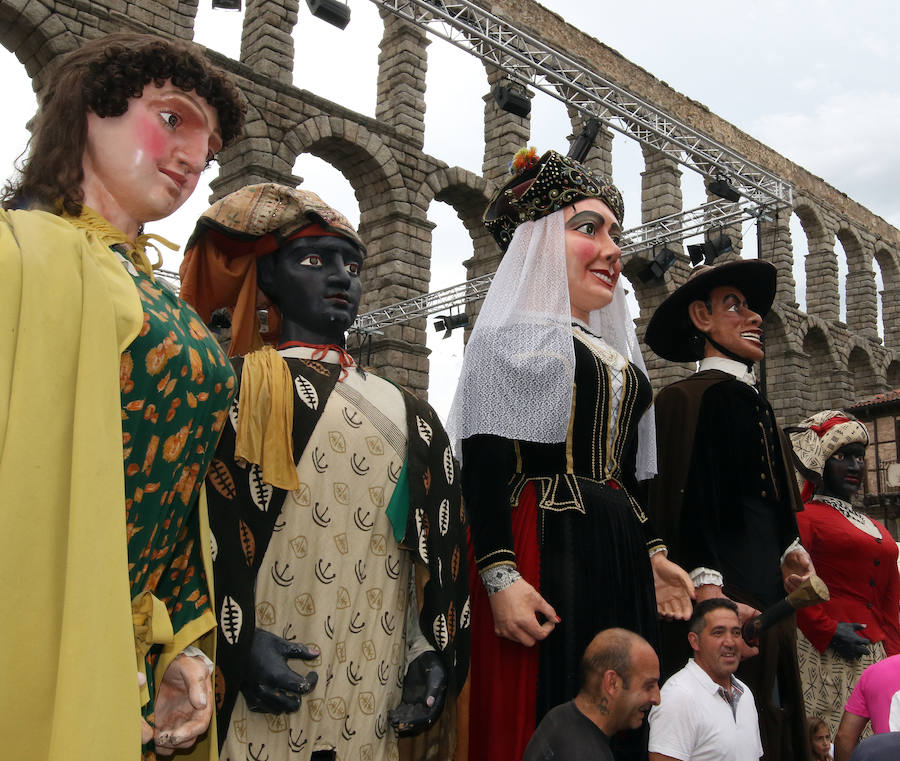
271 686
183 706
424 692
847 643
517 609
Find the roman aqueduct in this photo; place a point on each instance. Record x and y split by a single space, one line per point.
814 359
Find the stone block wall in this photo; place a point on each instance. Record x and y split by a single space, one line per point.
814 359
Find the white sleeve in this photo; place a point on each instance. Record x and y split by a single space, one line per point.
672 730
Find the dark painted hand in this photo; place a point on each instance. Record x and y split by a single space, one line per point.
271 686
424 692
847 643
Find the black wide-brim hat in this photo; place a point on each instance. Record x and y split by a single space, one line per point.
670 332
545 185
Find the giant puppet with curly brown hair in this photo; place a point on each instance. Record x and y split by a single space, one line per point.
112 398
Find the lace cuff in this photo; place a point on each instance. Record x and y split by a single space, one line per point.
795 545
196 652
701 576
499 577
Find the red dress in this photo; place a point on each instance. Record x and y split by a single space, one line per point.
861 573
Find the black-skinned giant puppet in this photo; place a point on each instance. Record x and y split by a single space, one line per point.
112 397
550 414
334 503
725 496
853 554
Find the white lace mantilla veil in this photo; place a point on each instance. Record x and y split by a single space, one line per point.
518 371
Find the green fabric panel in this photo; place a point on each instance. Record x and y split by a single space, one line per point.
398 509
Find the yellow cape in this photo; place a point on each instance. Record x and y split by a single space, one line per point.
67 655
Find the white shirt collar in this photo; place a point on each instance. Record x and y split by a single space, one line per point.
730 366
707 681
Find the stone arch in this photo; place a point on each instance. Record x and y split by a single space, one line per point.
359 154
890 266
466 192
799 250
34 34
468 195
863 378
821 264
819 389
893 375
890 296
861 294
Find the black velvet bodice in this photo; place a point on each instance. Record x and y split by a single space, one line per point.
600 448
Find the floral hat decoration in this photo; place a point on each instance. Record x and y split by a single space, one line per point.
540 186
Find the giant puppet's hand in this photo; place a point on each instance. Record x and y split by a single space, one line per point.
271 686
674 588
847 643
424 693
516 609
146 729
183 705
745 613
796 568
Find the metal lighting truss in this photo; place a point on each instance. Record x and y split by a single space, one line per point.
422 306
535 64
674 227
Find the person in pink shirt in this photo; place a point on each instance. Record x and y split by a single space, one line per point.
875 698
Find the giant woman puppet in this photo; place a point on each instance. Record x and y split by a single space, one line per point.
551 411
855 555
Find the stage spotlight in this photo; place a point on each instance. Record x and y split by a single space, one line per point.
662 260
450 321
584 140
723 245
332 11
512 101
719 187
227 5
709 251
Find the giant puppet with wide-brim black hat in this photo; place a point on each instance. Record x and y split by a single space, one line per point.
550 413
330 487
725 497
671 332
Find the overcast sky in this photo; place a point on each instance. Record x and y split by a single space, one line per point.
814 80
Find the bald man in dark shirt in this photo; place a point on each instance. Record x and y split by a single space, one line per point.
619 684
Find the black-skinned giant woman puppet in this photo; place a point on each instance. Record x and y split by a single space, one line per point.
854 555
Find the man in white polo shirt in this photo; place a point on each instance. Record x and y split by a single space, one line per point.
705 713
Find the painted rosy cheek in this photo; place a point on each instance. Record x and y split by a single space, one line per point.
583 251
152 135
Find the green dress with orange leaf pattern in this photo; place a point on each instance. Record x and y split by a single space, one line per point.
176 385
